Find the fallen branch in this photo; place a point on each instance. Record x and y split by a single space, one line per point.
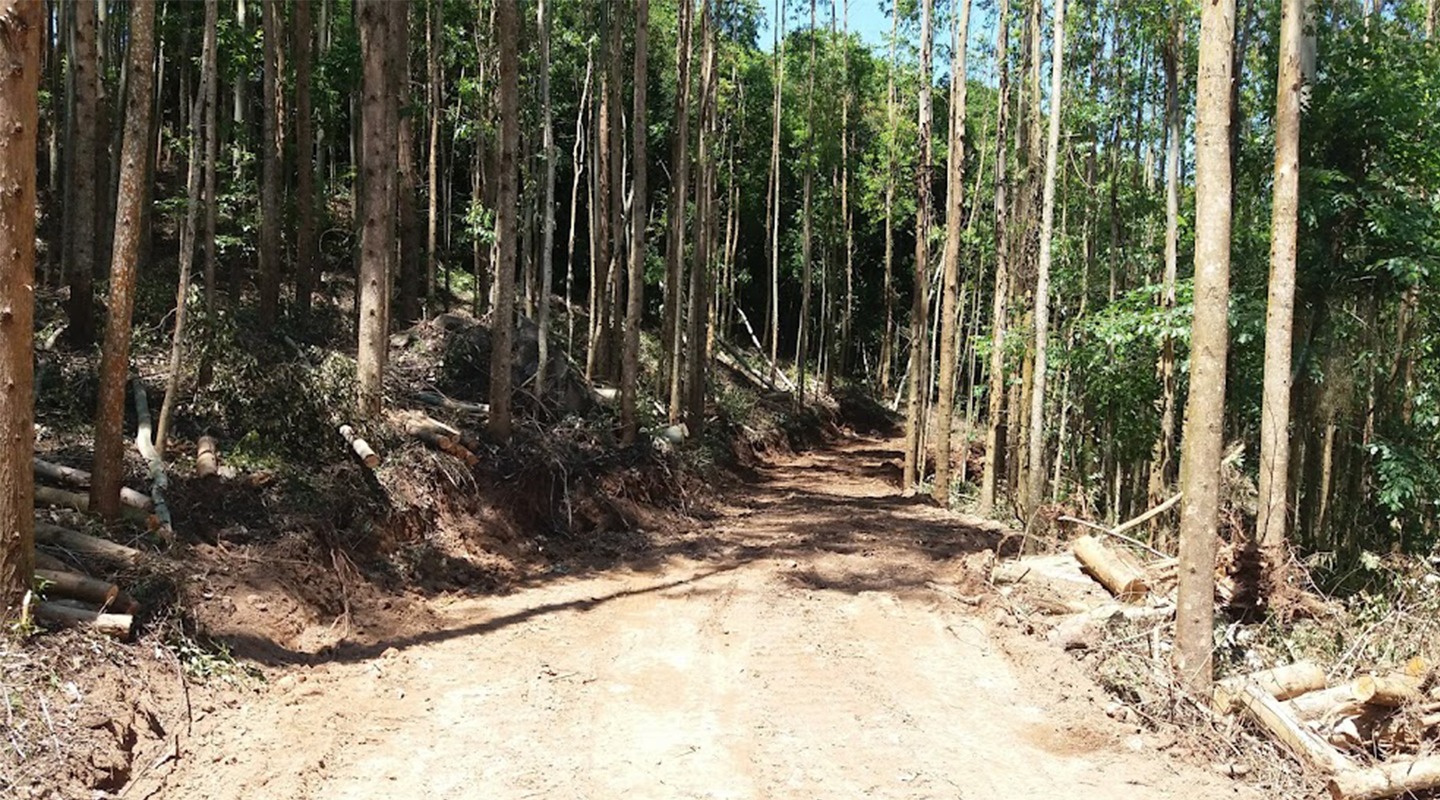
67 616
79 478
440 436
1118 531
1299 740
1391 691
441 401
361 449
87 545
145 443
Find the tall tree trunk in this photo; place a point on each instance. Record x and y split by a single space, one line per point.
577 163
999 311
699 311
270 179
507 31
639 217
919 302
378 165
189 233
806 267
20 119
671 323
304 162
212 156
777 117
411 257
1280 313
598 357
83 212
1037 474
1201 447
954 203
892 116
434 40
1163 456
615 272
547 233
115 355
848 314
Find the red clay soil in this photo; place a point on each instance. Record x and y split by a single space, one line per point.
827 643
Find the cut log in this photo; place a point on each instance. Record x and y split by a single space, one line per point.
1386 780
207 457
1282 683
440 436
79 478
361 449
44 560
66 616
64 583
59 498
86 545
1272 715
1391 691
1114 570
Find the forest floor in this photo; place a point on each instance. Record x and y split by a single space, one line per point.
823 638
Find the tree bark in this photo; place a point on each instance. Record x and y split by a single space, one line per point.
1164 453
913 467
597 357
82 213
21 22
1035 487
806 266
1270 524
672 321
1202 446
547 233
270 178
212 155
892 116
410 258
778 115
304 162
1000 296
377 200
698 313
954 203
639 216
434 41
502 318
115 355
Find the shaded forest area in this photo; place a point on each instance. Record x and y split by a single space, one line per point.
1039 230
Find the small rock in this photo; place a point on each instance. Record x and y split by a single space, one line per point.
390 653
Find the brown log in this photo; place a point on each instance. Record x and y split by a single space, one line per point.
1386 780
441 401
86 545
44 560
59 498
1115 571
1282 683
1319 704
79 478
440 436
1391 691
1272 715
207 457
67 616
361 448
64 583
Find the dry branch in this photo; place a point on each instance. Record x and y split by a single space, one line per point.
360 447
117 625
441 401
1272 715
1114 570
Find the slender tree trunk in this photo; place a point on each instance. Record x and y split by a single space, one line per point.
1037 473
598 357
188 235
954 204
503 318
270 179
20 120
212 156
547 233
892 104
1270 525
999 312
1202 445
115 355
806 267
615 272
1160 465
434 40
379 110
577 163
777 117
914 467
83 211
698 315
304 162
639 217
671 322
411 258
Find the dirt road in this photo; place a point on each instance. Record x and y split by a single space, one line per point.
826 650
